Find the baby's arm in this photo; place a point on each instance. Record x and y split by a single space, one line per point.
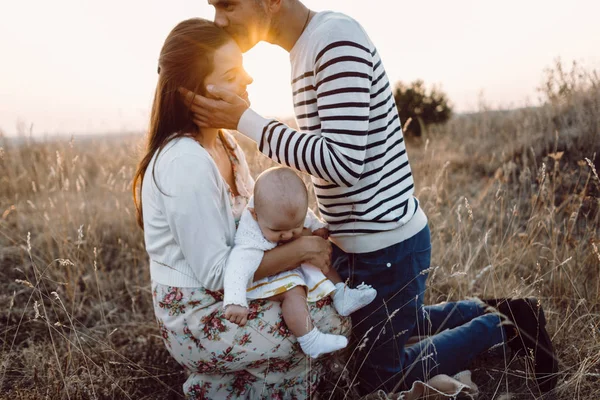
244 260
236 314
239 271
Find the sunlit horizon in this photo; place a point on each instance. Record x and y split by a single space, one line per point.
72 67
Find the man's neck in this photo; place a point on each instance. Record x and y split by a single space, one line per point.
292 22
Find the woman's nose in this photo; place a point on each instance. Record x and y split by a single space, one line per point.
249 79
246 78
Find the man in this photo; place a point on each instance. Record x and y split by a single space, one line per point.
350 141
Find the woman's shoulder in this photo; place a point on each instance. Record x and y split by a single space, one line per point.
183 156
181 148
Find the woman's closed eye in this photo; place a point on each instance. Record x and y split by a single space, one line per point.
231 75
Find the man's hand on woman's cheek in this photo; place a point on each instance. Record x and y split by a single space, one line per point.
223 111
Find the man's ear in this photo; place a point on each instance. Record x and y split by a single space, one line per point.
253 213
274 6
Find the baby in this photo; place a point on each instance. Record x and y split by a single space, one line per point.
277 213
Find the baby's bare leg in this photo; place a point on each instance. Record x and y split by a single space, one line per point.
333 276
295 310
297 317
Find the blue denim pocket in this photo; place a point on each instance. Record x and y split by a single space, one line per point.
421 260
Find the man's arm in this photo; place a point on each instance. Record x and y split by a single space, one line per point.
342 76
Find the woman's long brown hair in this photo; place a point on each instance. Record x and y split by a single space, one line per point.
186 59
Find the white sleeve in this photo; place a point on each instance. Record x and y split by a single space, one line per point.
192 198
312 222
239 272
245 258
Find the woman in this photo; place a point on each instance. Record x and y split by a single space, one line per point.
190 189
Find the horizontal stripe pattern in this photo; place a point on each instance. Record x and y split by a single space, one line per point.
350 136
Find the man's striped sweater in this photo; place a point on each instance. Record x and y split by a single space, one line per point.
349 139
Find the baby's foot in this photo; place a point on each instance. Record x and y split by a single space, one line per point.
315 343
346 300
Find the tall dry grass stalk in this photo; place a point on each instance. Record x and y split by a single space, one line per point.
512 197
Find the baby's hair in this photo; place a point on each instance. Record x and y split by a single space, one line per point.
280 188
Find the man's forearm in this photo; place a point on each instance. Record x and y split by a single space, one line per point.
317 155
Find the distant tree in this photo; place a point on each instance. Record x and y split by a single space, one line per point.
422 107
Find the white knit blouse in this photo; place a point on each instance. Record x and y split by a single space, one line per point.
189 228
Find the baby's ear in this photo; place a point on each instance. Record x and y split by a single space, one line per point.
252 212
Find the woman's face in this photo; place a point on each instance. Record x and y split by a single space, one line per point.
228 72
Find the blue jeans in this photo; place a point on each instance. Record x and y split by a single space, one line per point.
457 332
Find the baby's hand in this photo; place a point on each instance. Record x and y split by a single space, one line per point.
322 232
236 314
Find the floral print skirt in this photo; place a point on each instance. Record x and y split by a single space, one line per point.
261 360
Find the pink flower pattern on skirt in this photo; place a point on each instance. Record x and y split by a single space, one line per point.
172 301
261 360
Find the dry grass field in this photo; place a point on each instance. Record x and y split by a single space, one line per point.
513 200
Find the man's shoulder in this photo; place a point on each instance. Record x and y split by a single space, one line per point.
334 27
334 17
333 21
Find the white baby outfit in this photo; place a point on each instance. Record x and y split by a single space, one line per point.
246 256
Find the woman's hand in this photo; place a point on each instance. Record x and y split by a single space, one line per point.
306 232
236 314
317 252
307 249
322 232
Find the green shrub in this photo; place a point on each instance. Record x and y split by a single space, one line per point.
419 108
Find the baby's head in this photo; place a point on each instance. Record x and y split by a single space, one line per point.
280 204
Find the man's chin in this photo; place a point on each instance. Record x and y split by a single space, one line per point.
244 42
247 46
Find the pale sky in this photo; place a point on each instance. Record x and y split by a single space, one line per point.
83 66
